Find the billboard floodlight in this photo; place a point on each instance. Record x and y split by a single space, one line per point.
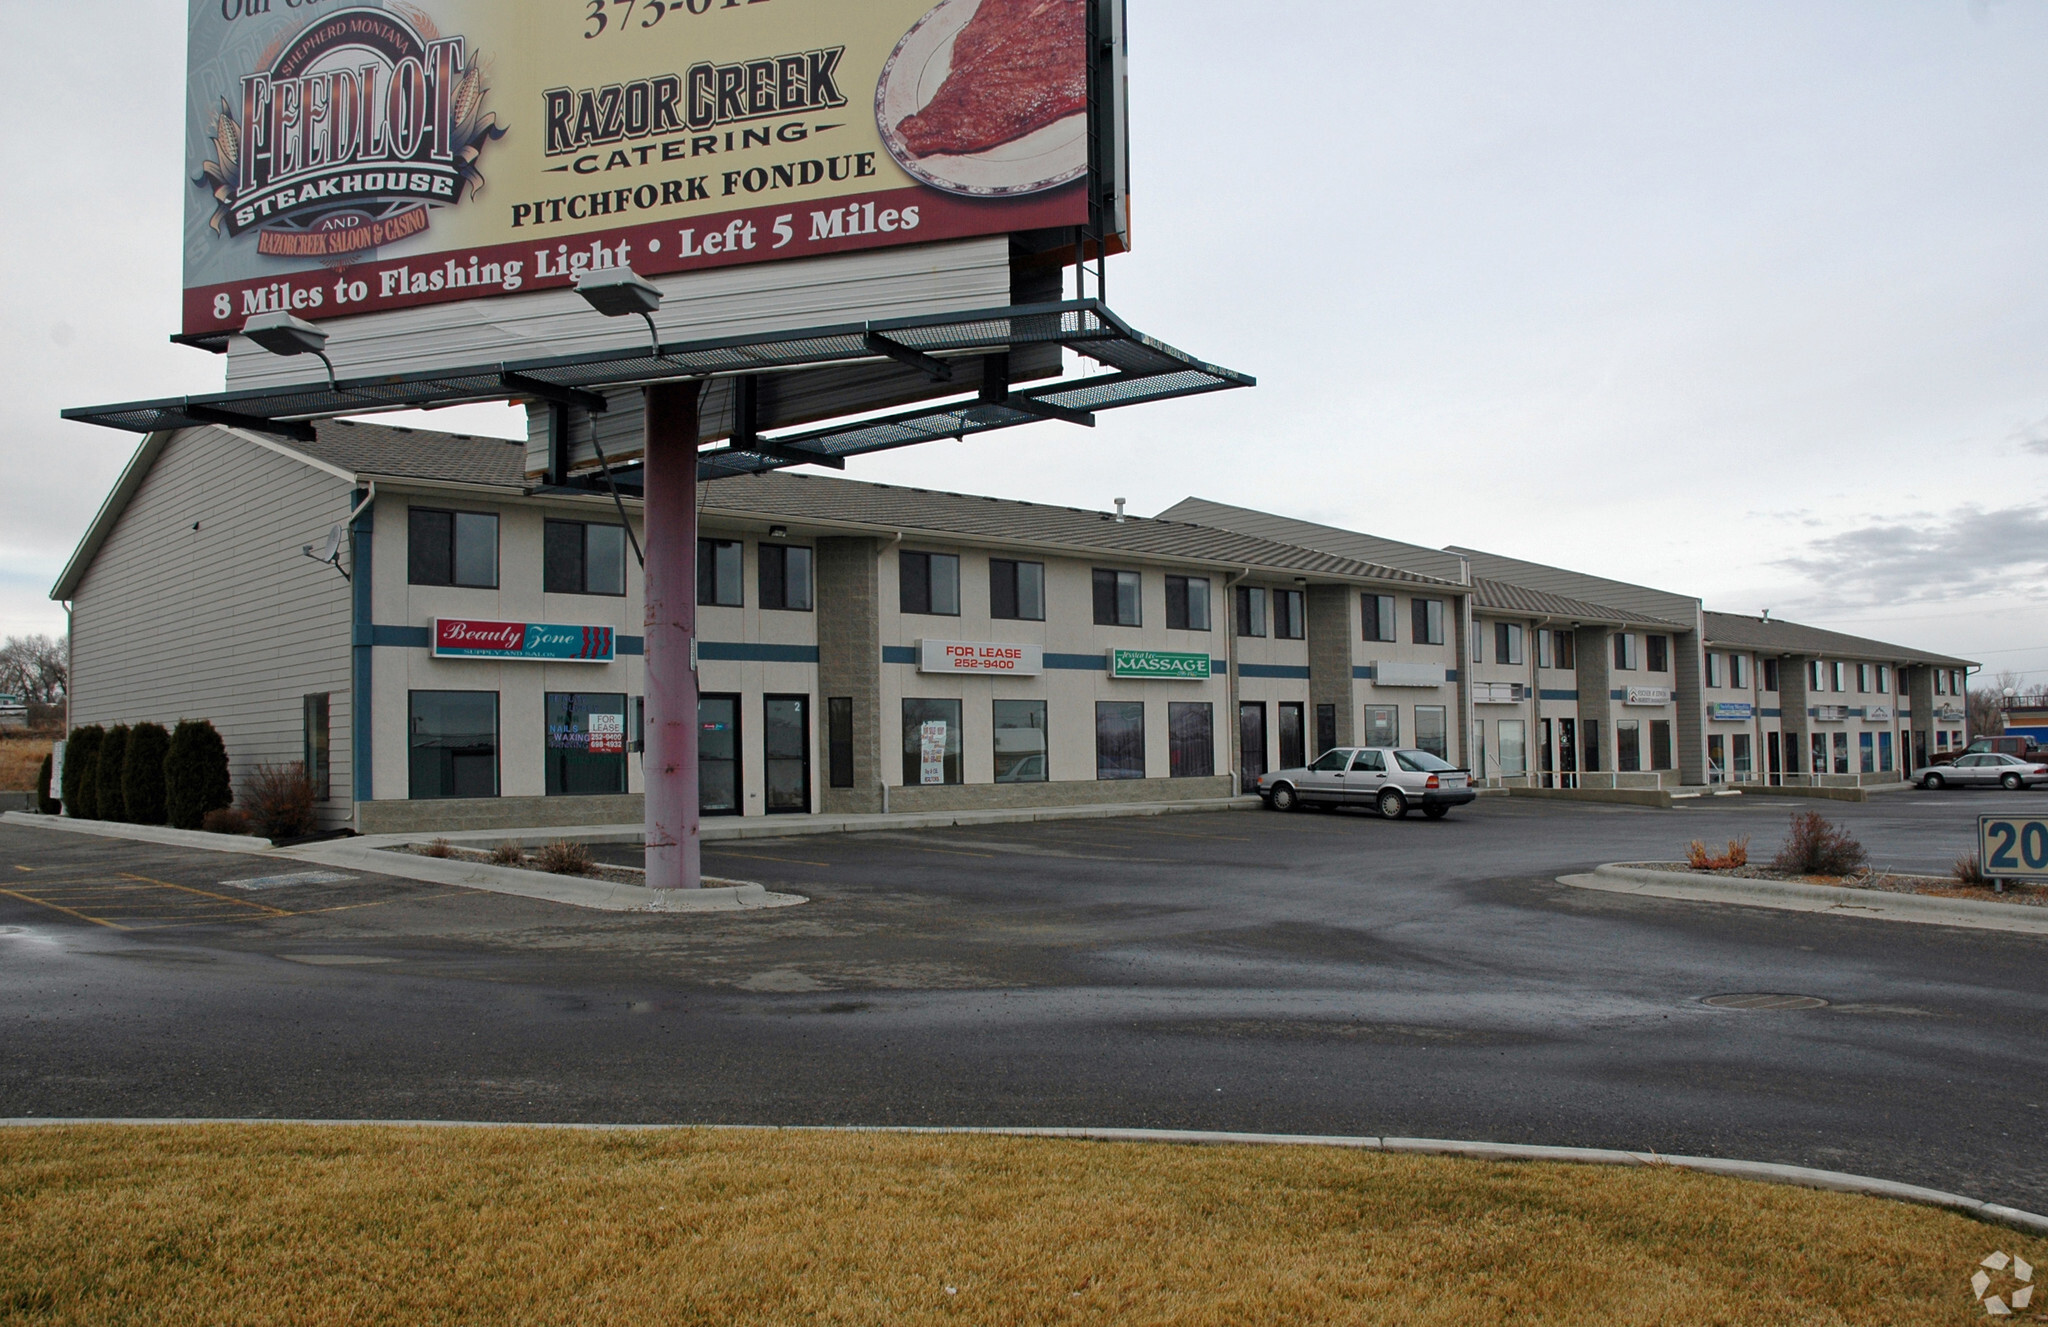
282 334
620 292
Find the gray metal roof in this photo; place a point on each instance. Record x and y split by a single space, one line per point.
1328 538
1490 595
844 502
1776 636
385 451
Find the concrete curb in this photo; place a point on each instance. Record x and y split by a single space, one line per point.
110 829
1659 798
576 891
1792 896
1767 1172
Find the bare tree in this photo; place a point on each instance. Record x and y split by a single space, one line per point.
1986 705
34 668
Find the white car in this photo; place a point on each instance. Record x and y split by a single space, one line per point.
1982 770
1391 780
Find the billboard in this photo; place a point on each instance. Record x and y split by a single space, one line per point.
358 156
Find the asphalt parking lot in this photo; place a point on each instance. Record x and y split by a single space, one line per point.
1310 973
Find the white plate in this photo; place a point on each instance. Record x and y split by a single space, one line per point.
1043 159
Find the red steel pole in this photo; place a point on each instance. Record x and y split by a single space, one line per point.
675 857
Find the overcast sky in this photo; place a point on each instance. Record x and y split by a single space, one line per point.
1744 300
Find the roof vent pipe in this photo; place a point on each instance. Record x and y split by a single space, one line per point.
1119 511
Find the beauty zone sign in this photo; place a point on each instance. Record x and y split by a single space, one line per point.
545 642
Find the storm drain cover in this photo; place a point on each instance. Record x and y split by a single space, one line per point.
1766 1001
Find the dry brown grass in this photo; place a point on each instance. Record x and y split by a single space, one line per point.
21 758
270 1225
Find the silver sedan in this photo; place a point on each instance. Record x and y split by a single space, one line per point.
1982 771
1391 780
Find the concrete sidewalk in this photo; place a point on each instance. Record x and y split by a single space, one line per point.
1792 896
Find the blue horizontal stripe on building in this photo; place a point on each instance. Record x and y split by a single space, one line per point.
421 638
1569 694
1294 672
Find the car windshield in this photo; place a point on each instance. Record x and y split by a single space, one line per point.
1422 762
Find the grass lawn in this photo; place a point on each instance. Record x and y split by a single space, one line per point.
421 1227
21 758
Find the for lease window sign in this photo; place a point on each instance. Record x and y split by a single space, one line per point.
962 656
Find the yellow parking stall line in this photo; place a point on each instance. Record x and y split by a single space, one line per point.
762 857
238 902
69 912
1171 834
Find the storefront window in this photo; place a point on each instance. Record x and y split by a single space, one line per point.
1382 726
718 755
1884 753
1119 739
1021 753
1841 752
453 744
1661 757
1432 730
1514 747
1717 758
1628 745
1745 763
1820 750
931 743
839 740
586 744
1866 745
318 762
1190 739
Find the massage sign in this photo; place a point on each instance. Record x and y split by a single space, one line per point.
355 157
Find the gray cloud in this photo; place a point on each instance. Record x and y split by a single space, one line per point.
1965 553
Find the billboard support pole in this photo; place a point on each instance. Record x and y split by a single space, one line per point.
669 764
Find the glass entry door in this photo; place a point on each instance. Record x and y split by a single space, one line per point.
786 753
1567 753
718 755
1293 740
1251 737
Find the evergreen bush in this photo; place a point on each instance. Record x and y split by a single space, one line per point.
45 803
107 771
81 772
142 773
195 774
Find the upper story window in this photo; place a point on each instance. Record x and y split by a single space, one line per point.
1941 681
1836 676
1625 650
1884 679
1016 590
1428 623
1378 613
1289 621
1251 610
786 577
1863 679
1816 675
583 559
452 548
1713 669
1117 599
1657 650
1507 642
1770 674
1563 649
929 583
718 573
1187 603
1738 670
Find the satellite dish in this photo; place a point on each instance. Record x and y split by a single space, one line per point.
332 552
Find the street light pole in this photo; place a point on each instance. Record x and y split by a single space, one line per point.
669 765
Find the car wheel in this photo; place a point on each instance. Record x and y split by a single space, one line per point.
1436 812
1392 805
1933 782
1284 798
2012 782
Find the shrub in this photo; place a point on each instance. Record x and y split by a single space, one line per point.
1969 870
565 858
508 854
438 848
1700 859
107 771
142 773
45 803
278 799
225 820
81 766
1817 846
195 774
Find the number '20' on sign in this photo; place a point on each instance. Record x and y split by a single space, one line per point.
2013 847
